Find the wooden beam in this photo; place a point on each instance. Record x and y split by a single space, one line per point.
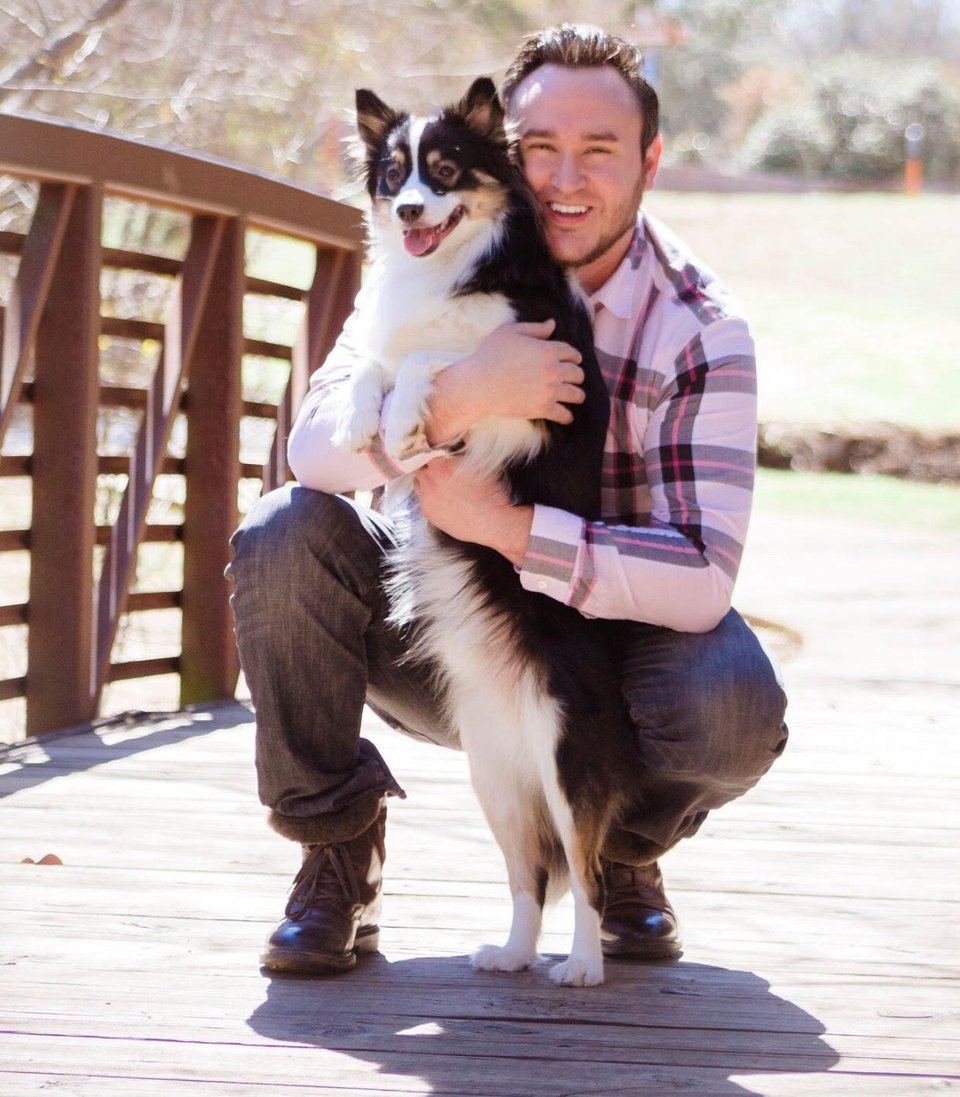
209 666
181 332
21 320
34 148
64 474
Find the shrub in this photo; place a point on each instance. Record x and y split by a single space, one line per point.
850 123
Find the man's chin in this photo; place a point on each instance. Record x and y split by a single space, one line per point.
569 251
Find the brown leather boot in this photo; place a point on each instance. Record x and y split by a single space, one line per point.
638 921
334 906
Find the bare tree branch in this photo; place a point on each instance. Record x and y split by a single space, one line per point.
57 47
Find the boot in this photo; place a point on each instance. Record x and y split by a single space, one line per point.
334 906
638 921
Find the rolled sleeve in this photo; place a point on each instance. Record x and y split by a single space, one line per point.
556 556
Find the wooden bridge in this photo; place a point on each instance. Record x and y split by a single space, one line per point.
137 875
83 576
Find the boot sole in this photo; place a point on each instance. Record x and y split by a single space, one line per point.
320 963
652 952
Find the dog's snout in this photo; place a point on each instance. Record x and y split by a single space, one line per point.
410 212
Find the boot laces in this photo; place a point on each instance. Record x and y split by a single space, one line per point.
326 874
627 885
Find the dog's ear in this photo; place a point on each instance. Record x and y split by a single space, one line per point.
481 108
374 118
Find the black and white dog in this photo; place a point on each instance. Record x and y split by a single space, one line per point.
533 687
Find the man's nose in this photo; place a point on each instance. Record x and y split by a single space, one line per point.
567 174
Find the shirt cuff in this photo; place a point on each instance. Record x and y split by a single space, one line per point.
553 553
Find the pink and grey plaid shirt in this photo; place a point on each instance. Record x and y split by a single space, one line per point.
680 451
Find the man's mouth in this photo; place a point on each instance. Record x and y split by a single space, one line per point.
567 211
425 241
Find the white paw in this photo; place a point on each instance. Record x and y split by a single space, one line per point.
495 958
403 437
577 972
357 429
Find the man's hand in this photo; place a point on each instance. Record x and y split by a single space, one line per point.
517 372
472 508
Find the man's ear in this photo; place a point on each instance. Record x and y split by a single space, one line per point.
481 108
374 118
651 161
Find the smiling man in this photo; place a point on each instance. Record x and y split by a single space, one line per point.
589 178
676 491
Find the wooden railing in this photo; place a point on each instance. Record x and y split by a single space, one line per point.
81 576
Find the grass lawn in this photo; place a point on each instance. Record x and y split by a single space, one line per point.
873 500
845 297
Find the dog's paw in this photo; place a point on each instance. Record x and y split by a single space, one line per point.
403 437
495 958
356 431
578 972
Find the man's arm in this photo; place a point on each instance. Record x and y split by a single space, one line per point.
677 569
315 461
517 371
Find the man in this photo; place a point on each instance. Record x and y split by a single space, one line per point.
676 493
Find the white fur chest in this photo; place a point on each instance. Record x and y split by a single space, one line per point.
411 311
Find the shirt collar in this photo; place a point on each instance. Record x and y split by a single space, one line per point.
617 293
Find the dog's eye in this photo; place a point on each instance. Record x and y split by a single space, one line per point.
445 172
393 175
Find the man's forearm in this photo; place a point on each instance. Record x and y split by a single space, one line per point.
452 405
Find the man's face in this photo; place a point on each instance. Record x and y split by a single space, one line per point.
580 134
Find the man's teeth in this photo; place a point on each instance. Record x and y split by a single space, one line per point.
559 207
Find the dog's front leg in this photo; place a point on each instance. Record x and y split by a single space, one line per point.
359 420
405 429
520 950
510 814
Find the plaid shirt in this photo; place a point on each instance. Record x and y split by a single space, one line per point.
680 451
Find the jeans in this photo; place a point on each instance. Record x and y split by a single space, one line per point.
315 645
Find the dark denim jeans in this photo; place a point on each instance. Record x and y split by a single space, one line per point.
315 645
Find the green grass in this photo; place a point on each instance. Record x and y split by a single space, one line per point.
873 500
846 295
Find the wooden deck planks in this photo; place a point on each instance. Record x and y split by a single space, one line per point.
129 969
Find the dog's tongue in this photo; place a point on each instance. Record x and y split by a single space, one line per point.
420 241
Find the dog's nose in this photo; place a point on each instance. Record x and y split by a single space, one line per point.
410 212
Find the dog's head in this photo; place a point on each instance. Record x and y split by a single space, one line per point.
436 182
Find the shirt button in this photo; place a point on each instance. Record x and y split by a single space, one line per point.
541 585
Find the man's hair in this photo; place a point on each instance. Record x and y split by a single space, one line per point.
587 47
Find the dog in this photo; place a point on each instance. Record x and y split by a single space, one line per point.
456 249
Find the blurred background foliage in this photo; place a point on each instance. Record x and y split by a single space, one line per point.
818 88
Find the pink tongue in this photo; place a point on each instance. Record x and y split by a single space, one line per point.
420 241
